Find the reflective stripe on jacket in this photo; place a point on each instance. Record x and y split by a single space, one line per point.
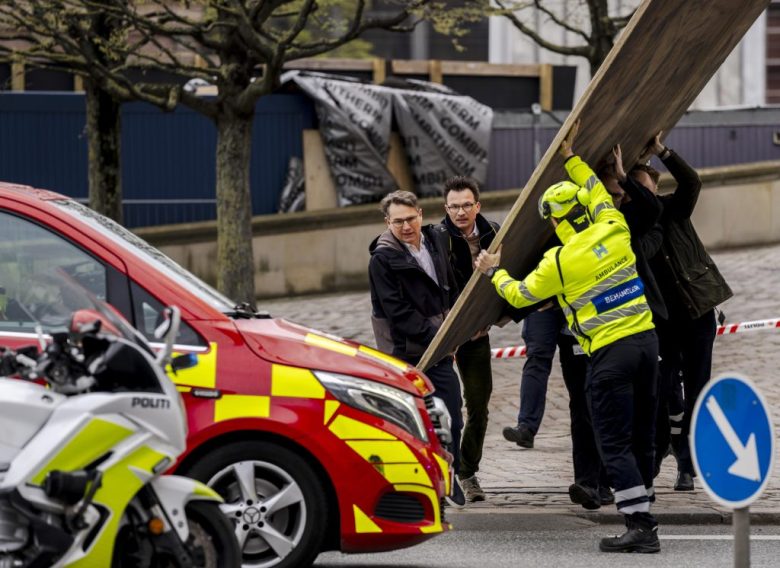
593 275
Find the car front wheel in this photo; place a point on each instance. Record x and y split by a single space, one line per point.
274 499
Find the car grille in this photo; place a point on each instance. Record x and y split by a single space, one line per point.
400 507
439 419
434 417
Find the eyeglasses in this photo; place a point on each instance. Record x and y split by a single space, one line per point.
467 207
400 222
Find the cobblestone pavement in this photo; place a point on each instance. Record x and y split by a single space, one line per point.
517 479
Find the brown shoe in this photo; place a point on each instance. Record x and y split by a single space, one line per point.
472 489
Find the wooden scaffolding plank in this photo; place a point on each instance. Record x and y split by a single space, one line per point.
661 62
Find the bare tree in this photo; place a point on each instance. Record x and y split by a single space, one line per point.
596 38
240 47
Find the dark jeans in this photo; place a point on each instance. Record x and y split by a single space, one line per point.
687 345
622 391
543 332
473 359
671 406
447 386
585 454
540 334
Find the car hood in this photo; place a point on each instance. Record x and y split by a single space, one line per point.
280 341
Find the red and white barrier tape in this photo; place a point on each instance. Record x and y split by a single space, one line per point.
517 351
508 352
749 326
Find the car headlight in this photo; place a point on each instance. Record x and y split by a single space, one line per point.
388 403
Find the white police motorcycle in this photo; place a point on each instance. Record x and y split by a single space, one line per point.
82 456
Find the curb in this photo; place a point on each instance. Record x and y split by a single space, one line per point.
514 518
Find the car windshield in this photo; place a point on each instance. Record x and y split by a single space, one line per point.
137 246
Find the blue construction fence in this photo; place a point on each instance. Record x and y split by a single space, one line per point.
169 158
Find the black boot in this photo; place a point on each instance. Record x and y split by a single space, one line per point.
586 496
637 538
606 495
521 435
684 481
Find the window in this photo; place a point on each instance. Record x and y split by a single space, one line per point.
43 277
147 312
773 53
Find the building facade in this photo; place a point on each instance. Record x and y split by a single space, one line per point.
750 76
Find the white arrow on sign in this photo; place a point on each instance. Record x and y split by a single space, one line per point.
746 465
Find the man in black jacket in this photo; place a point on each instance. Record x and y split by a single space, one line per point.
692 287
642 210
412 289
469 232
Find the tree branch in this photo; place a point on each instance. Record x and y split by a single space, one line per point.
582 51
300 23
252 36
357 27
622 21
556 20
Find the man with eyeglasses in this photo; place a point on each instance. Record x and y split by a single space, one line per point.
412 289
469 232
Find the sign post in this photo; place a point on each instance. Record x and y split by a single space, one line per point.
733 448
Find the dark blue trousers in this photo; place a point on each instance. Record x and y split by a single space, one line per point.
540 334
447 386
543 332
623 392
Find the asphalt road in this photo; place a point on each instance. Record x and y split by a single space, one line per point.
560 541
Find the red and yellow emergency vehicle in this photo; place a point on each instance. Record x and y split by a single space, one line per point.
315 443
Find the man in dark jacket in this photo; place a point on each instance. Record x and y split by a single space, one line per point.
642 211
692 287
469 232
412 289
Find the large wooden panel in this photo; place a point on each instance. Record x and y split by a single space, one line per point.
661 62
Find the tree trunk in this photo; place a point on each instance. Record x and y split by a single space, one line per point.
602 34
104 130
236 274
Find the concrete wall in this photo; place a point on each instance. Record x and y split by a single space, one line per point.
327 251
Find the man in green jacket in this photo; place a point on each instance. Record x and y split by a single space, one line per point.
593 276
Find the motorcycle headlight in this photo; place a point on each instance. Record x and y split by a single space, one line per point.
388 403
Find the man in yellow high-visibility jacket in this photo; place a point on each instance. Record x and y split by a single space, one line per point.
593 275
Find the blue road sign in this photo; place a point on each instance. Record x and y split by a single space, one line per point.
732 441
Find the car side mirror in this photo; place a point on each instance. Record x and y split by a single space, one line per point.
165 322
167 330
186 361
